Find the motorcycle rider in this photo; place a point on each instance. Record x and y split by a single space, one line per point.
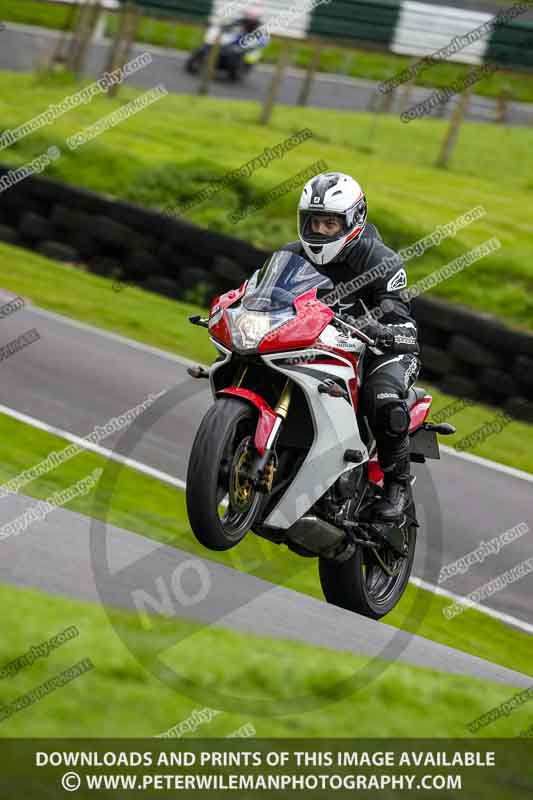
336 238
243 40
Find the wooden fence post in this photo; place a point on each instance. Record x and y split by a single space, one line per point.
210 66
85 36
453 128
127 27
277 78
307 84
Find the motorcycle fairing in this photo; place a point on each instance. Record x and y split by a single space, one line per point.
335 431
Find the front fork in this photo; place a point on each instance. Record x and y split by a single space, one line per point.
263 468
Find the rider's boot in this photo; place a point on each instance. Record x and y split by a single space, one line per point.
392 506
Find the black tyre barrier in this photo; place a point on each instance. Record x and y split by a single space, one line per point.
8 234
163 286
463 370
229 271
523 374
520 408
433 336
139 264
460 387
497 384
463 349
35 228
84 243
193 276
70 219
13 211
479 327
171 260
142 219
435 360
50 192
110 232
106 266
435 314
59 251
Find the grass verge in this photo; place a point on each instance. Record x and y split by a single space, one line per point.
138 160
120 698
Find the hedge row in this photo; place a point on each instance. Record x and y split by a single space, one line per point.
465 353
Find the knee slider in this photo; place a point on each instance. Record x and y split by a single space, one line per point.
395 419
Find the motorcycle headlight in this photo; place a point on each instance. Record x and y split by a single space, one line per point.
251 328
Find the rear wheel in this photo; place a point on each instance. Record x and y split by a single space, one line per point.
371 582
222 502
194 63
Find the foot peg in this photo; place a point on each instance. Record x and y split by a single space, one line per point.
198 372
443 428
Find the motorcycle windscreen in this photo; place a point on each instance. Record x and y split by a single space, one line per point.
269 298
280 280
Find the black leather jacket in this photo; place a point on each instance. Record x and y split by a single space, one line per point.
372 272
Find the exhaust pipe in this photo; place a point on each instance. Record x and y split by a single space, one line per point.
316 535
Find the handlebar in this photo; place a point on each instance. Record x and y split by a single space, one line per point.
356 333
196 319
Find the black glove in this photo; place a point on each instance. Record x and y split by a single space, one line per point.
383 336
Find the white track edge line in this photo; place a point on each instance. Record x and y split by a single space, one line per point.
166 478
491 612
95 448
485 462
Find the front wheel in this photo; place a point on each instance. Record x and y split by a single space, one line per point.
371 582
222 502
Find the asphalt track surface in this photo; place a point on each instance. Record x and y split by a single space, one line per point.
25 48
76 377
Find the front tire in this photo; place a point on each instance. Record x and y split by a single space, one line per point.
219 453
360 584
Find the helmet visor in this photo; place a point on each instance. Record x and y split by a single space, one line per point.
321 227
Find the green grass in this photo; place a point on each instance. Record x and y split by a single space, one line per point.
144 505
371 65
33 12
120 698
138 160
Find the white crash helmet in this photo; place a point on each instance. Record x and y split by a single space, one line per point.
326 194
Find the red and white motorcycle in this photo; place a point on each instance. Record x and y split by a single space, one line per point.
284 450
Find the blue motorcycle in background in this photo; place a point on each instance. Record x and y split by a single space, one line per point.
241 46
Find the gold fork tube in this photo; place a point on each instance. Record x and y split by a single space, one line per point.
282 408
243 373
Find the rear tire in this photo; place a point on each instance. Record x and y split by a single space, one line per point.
226 427
361 585
194 63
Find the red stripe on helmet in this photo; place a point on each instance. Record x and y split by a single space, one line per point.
352 235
